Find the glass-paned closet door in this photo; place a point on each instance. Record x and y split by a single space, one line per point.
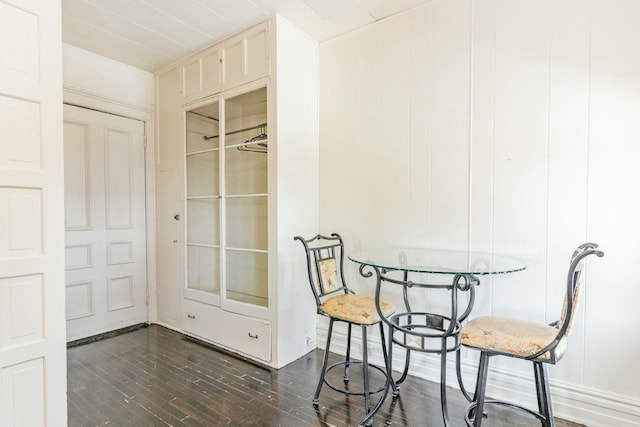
202 166
245 198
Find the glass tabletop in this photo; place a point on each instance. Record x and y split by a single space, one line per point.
439 261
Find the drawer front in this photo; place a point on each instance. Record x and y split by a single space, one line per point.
238 333
247 335
201 319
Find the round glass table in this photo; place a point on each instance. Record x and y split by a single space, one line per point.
438 261
422 331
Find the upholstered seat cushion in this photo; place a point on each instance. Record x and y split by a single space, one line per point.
513 337
360 309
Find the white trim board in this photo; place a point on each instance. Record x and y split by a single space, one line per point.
573 402
85 98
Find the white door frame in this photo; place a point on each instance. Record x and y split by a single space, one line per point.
79 98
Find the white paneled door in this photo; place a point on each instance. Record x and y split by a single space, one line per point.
32 328
105 240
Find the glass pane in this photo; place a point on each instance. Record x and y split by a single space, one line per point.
246 172
243 116
246 123
247 277
247 222
202 174
203 268
203 221
202 123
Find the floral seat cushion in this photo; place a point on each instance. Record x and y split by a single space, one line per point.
513 337
360 309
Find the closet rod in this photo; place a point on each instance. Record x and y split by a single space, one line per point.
202 115
206 138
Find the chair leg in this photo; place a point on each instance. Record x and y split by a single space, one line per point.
539 393
348 356
543 394
481 387
366 421
387 361
365 371
325 361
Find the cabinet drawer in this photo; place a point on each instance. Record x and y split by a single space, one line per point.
201 319
247 335
238 333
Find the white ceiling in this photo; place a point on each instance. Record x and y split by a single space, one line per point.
150 34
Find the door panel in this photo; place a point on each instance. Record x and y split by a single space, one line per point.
24 387
245 57
105 222
77 206
32 328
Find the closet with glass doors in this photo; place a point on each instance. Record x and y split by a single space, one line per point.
226 211
236 178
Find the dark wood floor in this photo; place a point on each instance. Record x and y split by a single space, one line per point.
156 377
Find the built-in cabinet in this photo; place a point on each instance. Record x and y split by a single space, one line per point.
226 220
245 57
240 59
239 137
200 75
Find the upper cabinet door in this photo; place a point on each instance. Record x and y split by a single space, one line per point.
201 75
245 57
210 65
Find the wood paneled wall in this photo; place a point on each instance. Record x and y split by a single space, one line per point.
507 126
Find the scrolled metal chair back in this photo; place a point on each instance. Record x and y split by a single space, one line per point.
574 286
325 262
572 295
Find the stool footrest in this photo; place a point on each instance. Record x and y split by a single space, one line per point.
469 419
352 392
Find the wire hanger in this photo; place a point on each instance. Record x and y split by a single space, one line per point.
257 144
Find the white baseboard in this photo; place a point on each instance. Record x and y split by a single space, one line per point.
573 402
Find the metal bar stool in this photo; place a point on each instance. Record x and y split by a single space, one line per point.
539 343
334 300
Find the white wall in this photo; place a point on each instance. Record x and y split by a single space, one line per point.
93 74
510 127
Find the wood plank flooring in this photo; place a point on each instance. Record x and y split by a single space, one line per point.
157 377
